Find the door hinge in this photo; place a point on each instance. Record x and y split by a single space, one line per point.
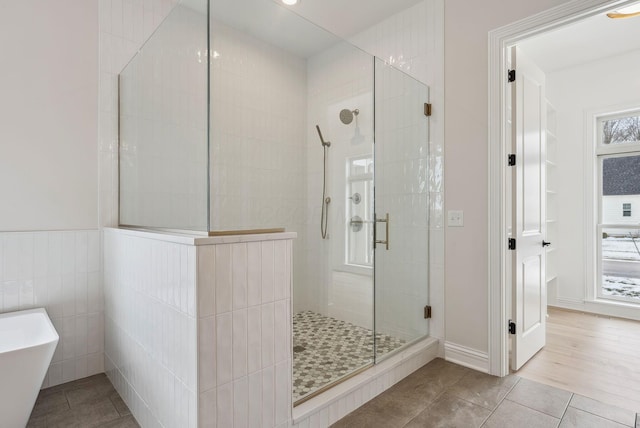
512 327
427 312
512 243
427 109
512 159
512 75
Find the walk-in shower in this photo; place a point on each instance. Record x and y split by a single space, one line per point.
220 120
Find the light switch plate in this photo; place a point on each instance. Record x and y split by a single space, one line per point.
455 218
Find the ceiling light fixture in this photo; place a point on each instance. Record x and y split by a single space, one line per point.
625 12
290 2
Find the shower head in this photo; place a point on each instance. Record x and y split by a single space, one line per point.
346 115
324 143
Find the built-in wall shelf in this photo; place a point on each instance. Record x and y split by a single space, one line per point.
551 199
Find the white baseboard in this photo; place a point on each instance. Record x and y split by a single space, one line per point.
569 301
467 357
601 307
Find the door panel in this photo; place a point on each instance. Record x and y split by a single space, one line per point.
531 303
529 279
531 152
401 191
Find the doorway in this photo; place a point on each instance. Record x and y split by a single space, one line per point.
501 272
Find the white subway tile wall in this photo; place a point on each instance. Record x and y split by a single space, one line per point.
257 128
245 342
151 327
162 356
124 26
163 127
59 271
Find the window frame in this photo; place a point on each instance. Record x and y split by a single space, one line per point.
601 119
605 151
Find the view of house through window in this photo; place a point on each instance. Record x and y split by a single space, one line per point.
619 223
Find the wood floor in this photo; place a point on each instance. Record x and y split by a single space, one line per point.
591 355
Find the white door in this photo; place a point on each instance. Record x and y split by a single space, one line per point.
528 218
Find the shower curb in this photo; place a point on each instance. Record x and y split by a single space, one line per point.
344 398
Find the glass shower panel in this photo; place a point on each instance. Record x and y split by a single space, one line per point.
401 206
163 125
277 82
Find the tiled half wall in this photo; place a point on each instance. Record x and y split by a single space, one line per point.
198 329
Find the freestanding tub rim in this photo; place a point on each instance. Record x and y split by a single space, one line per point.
25 329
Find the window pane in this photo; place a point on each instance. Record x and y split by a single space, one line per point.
621 263
621 130
620 189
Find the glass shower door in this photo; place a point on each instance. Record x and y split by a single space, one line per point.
401 277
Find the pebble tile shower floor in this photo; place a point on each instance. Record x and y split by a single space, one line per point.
326 349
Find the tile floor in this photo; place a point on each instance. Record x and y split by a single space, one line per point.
84 403
440 394
326 349
443 394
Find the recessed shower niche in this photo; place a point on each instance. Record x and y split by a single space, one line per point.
231 125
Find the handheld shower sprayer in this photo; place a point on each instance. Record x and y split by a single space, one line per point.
324 143
324 218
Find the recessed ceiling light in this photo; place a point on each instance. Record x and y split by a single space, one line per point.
290 2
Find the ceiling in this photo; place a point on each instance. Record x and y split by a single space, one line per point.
348 17
303 32
593 38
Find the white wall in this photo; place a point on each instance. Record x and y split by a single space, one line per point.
49 176
466 165
575 92
48 115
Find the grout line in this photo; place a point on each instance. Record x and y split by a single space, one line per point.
503 398
567 406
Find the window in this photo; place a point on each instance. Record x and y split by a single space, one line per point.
618 232
359 221
620 129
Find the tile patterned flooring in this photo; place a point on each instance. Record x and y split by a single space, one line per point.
325 349
84 403
443 394
440 394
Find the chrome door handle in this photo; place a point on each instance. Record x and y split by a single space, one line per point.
375 227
